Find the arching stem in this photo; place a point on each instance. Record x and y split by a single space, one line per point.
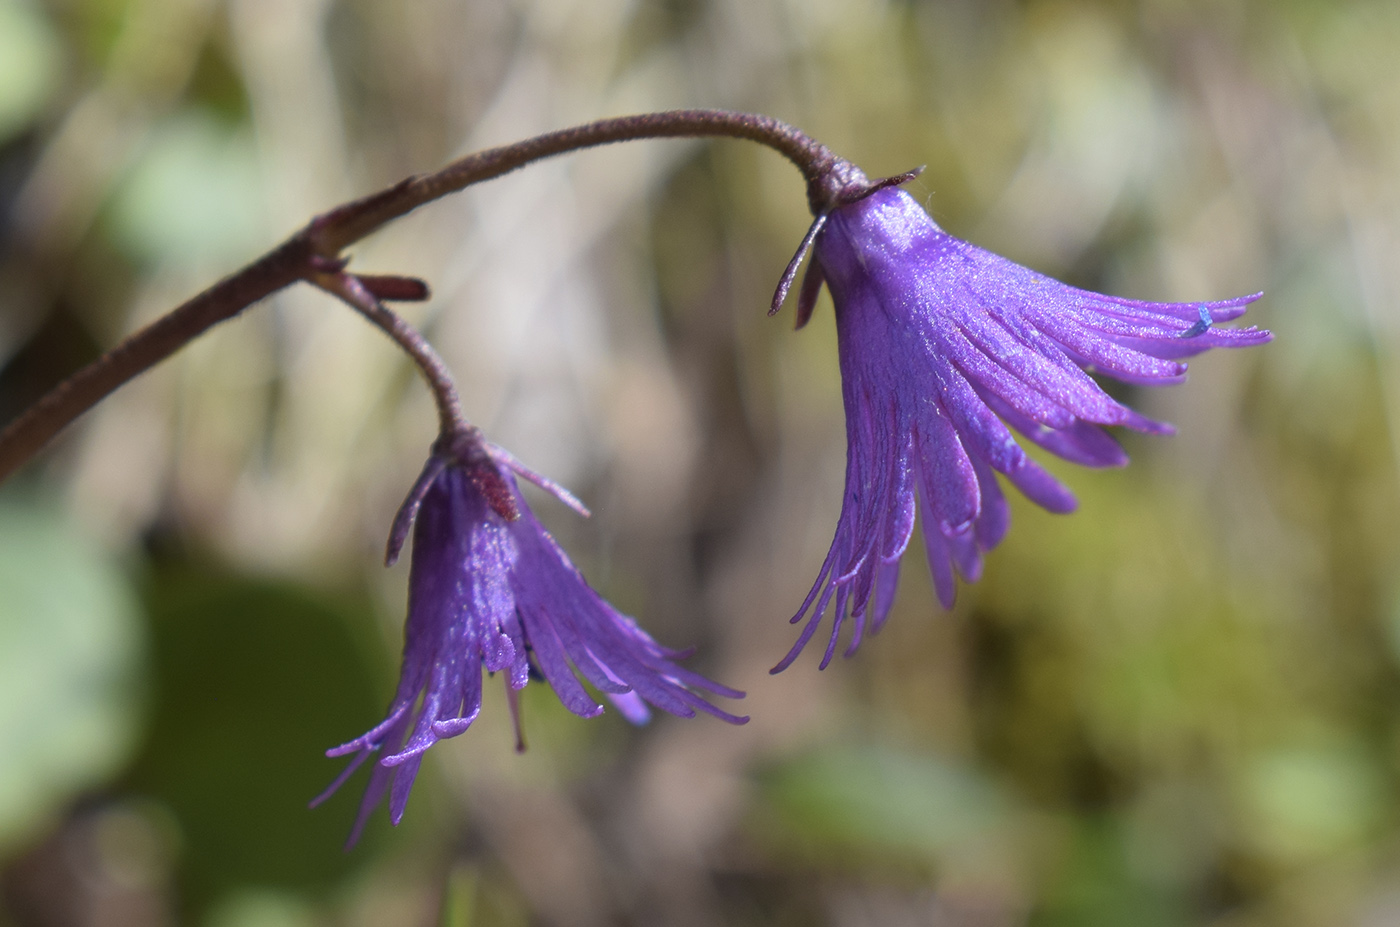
306 254
357 296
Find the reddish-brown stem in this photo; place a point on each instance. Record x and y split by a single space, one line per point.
316 248
354 220
356 295
35 426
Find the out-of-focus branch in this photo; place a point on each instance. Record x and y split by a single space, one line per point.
306 254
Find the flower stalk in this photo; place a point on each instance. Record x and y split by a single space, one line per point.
310 251
355 292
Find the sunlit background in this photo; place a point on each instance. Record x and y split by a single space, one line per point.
1179 706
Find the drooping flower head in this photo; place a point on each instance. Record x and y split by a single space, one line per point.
942 346
490 590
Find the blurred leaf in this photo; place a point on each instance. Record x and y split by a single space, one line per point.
1096 887
875 798
70 648
195 195
29 65
262 909
1312 801
255 680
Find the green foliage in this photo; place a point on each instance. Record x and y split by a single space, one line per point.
29 65
71 654
253 681
877 804
193 195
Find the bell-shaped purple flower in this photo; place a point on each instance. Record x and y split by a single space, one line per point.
942 346
490 590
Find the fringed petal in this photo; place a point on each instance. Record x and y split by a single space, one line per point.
484 594
963 346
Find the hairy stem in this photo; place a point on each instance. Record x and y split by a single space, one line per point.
356 295
35 426
304 256
353 221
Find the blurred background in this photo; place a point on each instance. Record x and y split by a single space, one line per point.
1179 706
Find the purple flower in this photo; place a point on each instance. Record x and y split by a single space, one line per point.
942 346
489 589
